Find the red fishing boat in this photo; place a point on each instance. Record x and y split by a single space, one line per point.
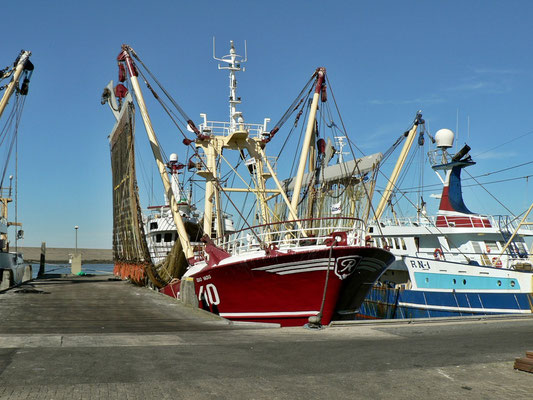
303 256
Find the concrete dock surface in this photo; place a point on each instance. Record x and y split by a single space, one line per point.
97 338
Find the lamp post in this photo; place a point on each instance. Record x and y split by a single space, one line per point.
76 230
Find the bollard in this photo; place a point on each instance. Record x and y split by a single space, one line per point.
75 267
41 265
187 294
27 274
6 280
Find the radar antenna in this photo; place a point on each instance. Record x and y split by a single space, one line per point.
233 61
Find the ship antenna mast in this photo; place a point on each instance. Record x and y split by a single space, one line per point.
233 61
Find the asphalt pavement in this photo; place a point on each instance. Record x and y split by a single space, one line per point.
98 338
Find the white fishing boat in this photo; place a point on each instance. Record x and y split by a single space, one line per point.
293 265
161 232
456 263
13 269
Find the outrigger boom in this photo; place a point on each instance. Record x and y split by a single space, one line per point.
125 56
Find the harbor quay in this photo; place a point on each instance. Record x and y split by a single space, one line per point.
96 337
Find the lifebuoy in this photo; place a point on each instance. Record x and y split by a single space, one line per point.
497 262
438 254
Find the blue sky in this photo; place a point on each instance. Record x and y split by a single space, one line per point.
385 60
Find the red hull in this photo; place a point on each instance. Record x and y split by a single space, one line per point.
288 288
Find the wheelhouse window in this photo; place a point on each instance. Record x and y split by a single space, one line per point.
158 238
153 225
168 237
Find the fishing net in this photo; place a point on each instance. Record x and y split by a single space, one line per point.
130 250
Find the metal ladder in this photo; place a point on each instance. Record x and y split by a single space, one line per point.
510 244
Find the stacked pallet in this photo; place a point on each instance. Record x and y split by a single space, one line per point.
525 363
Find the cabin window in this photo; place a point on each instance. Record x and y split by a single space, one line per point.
417 243
403 244
396 243
158 238
168 237
153 225
478 247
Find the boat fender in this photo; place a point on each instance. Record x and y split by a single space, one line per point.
324 94
321 146
438 254
121 91
272 250
337 239
496 262
121 73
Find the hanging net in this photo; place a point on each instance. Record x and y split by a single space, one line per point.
130 251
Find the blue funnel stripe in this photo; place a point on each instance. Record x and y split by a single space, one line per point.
455 191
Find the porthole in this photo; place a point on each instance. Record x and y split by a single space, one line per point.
513 283
454 281
427 280
499 283
464 281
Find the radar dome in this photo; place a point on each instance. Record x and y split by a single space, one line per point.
173 157
444 138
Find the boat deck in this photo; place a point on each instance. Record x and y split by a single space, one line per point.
95 337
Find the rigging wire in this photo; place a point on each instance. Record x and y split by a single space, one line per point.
503 144
367 194
170 114
14 118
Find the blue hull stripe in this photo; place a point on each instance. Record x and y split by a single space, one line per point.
425 280
391 303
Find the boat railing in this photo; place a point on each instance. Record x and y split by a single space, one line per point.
487 259
290 234
473 221
437 157
409 221
506 223
221 128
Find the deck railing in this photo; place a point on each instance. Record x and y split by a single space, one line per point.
221 128
495 221
290 234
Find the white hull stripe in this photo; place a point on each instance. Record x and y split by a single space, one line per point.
472 291
301 270
297 264
464 309
269 314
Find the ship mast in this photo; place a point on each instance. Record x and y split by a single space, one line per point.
398 167
22 64
182 233
309 134
234 135
19 68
